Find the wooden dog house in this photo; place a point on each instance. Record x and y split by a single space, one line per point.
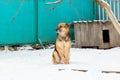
98 34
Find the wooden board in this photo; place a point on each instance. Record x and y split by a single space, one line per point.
90 34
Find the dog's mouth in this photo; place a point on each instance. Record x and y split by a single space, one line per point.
57 34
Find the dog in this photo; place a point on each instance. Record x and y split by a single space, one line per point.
61 53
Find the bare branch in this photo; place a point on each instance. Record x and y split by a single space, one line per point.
56 2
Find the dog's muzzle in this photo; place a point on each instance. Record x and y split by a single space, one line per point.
57 31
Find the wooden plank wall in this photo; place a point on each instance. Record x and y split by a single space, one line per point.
90 34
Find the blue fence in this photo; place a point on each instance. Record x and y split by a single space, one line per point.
33 21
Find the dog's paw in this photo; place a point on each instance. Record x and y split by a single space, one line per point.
66 62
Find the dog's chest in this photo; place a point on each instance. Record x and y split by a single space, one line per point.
64 46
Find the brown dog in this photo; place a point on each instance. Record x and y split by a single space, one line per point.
61 53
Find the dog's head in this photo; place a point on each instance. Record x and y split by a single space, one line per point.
63 29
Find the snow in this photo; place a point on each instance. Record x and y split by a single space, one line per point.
37 65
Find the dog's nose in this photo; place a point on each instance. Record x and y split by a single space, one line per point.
56 30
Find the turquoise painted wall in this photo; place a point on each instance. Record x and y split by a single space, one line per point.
17 22
30 21
64 12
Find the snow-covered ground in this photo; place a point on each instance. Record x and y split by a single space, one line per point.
37 65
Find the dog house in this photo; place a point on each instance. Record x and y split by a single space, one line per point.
98 34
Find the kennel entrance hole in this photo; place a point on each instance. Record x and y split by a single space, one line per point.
106 37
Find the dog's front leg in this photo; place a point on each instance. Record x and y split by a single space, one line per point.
67 56
60 53
67 52
62 57
59 48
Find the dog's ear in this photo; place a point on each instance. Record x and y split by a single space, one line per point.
68 25
71 25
